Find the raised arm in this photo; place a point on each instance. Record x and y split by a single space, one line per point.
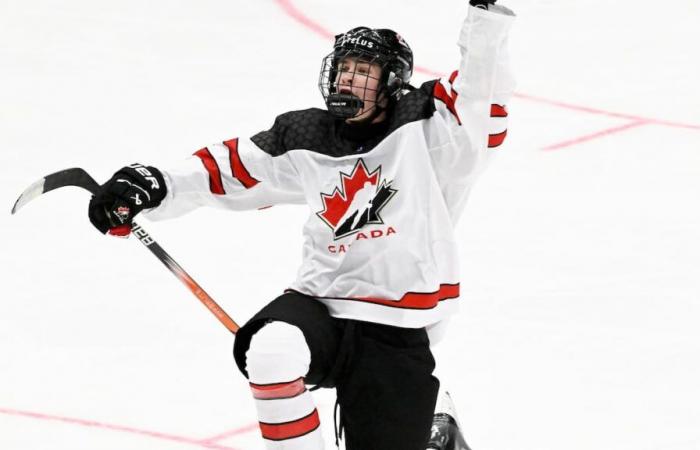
472 102
473 98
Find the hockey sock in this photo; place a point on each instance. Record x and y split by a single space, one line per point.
277 361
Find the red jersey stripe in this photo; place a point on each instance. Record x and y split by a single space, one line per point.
410 300
497 139
415 300
216 186
441 94
453 76
498 111
279 390
289 430
238 170
453 93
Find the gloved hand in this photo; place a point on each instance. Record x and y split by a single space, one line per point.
483 4
131 190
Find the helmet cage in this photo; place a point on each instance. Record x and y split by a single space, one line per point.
352 102
380 47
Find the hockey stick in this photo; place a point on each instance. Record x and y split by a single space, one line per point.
80 178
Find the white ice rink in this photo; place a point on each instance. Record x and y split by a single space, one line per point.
580 321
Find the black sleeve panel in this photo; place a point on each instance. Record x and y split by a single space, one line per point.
416 105
318 131
307 129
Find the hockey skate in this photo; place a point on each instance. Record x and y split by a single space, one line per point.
445 433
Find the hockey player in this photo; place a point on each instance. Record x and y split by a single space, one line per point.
385 171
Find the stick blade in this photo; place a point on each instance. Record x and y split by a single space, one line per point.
68 177
29 194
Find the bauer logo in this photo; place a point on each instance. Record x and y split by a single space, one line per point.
143 171
144 237
356 202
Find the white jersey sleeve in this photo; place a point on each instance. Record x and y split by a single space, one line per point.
234 174
471 103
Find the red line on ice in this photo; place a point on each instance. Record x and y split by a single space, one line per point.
605 113
295 13
113 427
303 19
598 134
235 432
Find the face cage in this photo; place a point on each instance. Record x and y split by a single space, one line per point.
328 83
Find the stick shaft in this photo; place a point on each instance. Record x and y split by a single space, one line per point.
77 176
177 270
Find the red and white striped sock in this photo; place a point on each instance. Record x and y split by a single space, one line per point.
288 417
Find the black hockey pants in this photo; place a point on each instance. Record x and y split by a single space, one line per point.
382 374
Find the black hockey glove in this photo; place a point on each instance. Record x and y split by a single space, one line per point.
131 190
483 4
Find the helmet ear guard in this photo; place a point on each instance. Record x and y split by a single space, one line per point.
394 85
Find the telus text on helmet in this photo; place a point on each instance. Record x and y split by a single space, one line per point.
358 41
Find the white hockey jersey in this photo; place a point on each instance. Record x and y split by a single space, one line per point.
379 243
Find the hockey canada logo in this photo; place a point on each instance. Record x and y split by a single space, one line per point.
356 202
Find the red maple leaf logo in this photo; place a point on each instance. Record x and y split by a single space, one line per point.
336 204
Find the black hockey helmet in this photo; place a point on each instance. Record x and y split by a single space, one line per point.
377 46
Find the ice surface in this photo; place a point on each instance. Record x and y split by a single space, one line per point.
581 267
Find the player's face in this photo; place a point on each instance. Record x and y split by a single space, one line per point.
362 79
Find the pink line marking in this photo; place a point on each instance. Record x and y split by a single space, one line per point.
236 432
112 427
605 113
598 134
292 11
429 72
